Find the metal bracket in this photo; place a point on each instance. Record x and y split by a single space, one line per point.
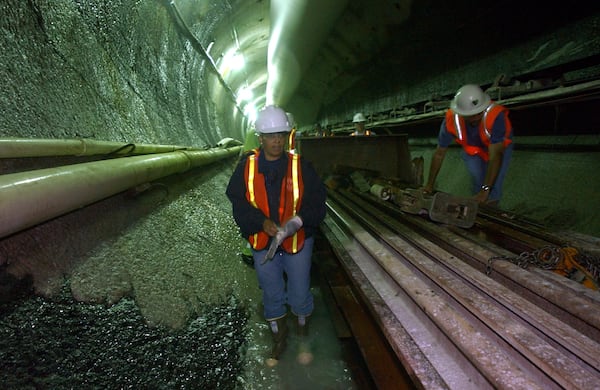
441 207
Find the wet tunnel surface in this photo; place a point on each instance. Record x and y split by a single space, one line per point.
63 344
60 343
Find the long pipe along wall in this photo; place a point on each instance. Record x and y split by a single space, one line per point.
31 197
32 147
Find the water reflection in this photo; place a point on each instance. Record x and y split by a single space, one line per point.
62 343
328 369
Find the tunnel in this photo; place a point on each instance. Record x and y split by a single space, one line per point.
122 121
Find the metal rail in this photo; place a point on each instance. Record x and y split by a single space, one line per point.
450 324
542 288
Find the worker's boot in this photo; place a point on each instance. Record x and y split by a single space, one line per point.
305 355
302 326
279 331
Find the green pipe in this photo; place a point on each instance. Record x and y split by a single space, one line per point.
29 198
35 147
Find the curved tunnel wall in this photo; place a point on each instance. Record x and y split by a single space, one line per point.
109 70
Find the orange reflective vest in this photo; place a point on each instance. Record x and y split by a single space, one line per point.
290 200
457 127
367 132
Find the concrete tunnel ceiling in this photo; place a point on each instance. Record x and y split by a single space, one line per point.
308 54
280 40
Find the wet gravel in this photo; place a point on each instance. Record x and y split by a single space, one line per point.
60 343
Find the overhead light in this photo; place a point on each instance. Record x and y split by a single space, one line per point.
250 112
244 94
232 60
237 61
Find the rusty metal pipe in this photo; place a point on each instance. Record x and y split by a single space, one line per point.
509 329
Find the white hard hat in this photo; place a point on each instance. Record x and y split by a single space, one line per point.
272 119
358 117
470 100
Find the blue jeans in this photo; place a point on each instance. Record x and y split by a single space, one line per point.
477 168
271 281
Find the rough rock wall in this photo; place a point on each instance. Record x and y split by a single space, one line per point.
115 70
119 71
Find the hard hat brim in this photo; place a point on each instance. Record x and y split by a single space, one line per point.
280 129
476 110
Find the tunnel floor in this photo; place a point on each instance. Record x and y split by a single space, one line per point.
64 344
60 343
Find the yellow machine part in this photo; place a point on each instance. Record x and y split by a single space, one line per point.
568 266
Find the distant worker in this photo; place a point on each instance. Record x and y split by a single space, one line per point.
485 133
292 135
278 202
318 132
359 125
251 141
327 132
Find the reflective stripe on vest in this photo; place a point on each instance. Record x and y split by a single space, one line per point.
292 141
354 134
296 197
251 193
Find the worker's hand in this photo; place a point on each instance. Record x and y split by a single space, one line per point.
481 196
427 189
290 227
270 227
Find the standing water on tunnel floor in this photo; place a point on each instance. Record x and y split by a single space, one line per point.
328 369
62 344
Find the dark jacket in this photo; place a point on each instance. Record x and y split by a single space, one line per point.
250 219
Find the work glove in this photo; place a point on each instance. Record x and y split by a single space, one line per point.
290 227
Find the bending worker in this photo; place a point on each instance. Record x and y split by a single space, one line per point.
485 133
278 203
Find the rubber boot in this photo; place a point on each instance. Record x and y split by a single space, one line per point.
302 326
305 355
279 331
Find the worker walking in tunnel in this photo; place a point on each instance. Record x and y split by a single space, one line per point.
251 141
278 202
292 134
484 131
